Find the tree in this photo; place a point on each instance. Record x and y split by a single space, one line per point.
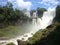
31 12
40 11
10 16
57 18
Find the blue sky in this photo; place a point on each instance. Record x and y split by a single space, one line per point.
36 4
32 4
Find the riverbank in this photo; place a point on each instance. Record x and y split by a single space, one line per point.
42 34
31 38
13 31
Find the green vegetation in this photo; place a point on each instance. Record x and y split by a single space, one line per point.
10 44
41 34
57 18
35 37
7 32
52 38
40 11
11 32
10 16
50 35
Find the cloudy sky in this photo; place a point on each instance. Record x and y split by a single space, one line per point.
32 4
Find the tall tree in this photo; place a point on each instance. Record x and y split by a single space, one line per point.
40 11
57 18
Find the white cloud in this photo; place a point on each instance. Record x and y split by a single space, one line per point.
49 3
21 4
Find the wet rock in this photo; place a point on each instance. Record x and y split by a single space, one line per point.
20 42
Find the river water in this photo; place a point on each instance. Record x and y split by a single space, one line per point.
25 31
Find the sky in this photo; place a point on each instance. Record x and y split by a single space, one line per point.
32 4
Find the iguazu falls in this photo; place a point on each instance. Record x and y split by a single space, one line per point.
24 22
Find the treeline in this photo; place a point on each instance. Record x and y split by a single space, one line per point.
39 11
57 18
10 16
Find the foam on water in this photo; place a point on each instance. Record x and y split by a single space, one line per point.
37 24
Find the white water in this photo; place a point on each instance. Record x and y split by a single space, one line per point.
37 23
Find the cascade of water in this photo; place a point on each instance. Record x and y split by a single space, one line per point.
37 23
34 19
43 22
47 18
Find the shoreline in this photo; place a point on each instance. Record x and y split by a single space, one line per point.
23 38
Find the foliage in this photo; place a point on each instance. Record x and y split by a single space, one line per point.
41 34
57 18
31 12
40 11
9 16
10 44
52 39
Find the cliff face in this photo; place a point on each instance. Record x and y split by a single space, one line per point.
50 36
52 39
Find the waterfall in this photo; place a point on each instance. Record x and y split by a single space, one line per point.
37 24
34 18
45 20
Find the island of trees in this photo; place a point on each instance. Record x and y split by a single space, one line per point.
11 16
